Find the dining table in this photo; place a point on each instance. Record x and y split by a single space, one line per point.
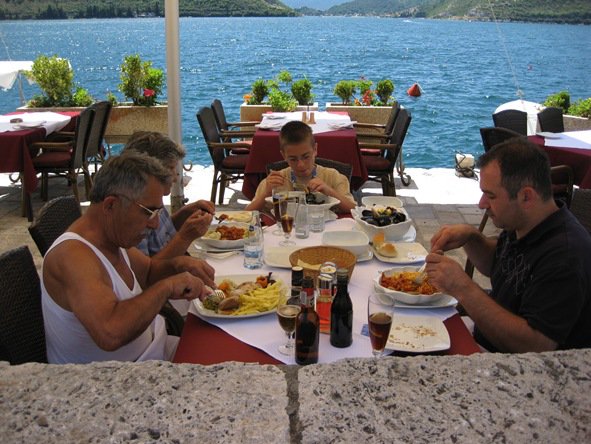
572 148
16 139
210 340
333 132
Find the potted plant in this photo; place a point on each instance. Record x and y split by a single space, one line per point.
55 77
141 84
372 105
577 115
302 91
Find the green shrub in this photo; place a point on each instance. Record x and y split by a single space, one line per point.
345 89
302 91
364 86
259 92
281 101
581 108
139 81
384 91
559 100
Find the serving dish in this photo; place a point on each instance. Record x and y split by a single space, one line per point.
418 334
401 296
392 232
238 279
386 201
408 253
355 241
225 244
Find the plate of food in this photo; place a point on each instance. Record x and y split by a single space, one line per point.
234 216
418 334
407 285
225 236
245 296
398 252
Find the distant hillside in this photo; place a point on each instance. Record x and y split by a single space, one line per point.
564 11
56 9
313 4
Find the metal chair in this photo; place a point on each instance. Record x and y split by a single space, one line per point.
344 168
492 136
512 119
22 334
64 159
381 168
53 220
227 166
95 151
232 130
550 120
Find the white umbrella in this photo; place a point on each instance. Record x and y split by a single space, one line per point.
9 72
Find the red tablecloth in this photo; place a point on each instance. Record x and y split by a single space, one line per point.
204 343
336 145
578 159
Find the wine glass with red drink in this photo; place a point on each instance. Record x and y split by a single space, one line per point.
288 213
380 312
286 314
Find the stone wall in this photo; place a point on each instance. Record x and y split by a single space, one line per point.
482 398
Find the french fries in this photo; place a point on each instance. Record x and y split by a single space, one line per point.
259 300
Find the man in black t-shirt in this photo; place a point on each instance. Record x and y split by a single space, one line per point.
540 266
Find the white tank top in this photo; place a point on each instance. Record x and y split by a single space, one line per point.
68 340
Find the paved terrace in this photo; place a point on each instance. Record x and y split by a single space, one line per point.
483 398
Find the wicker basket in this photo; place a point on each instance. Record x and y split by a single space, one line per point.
318 255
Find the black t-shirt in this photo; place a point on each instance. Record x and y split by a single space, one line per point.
545 278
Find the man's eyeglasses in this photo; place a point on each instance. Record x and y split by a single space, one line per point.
152 214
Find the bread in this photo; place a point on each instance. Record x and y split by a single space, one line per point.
379 239
387 249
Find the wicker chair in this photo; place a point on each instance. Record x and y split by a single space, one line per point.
382 132
22 334
512 119
550 120
64 159
344 168
53 220
381 168
581 207
95 151
492 136
227 166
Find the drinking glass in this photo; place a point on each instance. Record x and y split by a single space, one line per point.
286 314
380 311
279 196
288 213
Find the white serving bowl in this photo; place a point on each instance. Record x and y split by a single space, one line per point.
225 244
392 232
355 241
386 201
401 296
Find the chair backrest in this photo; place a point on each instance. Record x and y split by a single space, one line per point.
563 179
102 111
219 114
343 168
512 119
209 128
22 334
550 120
398 134
389 128
53 220
492 136
81 138
581 207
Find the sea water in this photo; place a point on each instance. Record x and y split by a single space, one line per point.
466 69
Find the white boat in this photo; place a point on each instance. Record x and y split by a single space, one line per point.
531 108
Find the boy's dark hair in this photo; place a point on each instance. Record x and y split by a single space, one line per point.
295 132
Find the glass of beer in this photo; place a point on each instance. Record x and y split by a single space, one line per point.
288 213
286 314
380 311
279 196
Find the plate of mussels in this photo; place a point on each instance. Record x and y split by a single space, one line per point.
393 222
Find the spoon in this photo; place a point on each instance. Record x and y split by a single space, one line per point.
422 275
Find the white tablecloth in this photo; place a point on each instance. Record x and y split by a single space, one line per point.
265 333
48 120
325 121
571 139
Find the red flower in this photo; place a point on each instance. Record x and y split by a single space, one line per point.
149 92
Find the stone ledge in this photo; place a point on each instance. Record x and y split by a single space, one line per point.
481 398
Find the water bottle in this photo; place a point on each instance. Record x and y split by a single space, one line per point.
302 229
253 243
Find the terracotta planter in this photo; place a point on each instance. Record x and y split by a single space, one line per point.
576 123
125 119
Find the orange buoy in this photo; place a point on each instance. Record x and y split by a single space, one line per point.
414 90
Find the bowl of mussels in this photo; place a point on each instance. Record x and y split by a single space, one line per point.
393 222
